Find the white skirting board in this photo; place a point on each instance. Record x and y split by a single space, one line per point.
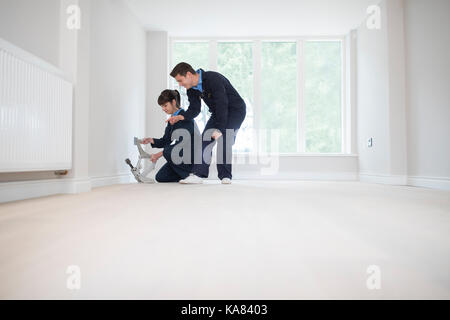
102 181
21 190
383 179
430 182
289 176
424 182
13 191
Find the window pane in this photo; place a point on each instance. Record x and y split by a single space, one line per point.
323 96
279 93
194 53
197 55
235 61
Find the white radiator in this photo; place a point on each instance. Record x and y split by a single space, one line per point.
35 114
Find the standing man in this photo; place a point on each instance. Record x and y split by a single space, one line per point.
227 109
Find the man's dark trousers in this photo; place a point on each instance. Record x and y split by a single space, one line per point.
225 154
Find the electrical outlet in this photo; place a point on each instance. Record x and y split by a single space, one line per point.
370 143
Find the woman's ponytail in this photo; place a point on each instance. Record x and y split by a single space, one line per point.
177 95
169 96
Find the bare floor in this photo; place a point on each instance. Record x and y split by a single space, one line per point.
249 240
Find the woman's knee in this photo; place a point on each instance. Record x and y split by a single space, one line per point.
160 178
163 178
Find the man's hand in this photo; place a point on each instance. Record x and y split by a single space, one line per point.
173 120
216 135
147 141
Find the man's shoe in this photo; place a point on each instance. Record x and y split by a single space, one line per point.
226 181
192 179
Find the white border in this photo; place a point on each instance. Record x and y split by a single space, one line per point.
383 179
412 181
102 181
21 190
430 182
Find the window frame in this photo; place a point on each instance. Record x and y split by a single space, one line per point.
257 50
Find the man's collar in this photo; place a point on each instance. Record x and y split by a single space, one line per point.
199 86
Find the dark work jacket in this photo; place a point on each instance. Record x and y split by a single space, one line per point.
166 141
223 101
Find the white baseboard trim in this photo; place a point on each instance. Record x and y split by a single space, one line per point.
383 179
102 181
21 190
310 176
424 182
78 186
430 182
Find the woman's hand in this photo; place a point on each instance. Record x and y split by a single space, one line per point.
155 157
148 140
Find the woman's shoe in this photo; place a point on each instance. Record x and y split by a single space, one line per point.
192 179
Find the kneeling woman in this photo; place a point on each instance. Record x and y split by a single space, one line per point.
169 100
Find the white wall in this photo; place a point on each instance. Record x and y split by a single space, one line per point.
373 97
118 83
397 88
79 64
157 81
404 95
381 96
32 26
106 62
428 87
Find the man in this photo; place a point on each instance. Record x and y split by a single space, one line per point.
227 109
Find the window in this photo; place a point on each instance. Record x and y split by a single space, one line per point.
293 87
235 61
279 94
323 96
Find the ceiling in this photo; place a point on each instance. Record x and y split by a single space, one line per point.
233 18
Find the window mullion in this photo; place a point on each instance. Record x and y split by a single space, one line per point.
345 146
257 47
213 55
301 138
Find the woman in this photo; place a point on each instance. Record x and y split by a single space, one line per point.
169 100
